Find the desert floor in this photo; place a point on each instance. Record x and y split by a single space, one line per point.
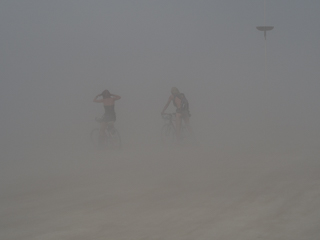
187 193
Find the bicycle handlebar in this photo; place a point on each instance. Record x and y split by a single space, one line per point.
168 116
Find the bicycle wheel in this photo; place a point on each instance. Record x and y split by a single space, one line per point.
186 136
168 134
113 139
95 137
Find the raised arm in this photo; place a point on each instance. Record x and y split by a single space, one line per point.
167 104
98 100
115 97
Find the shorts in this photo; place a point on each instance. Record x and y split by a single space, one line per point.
108 118
184 113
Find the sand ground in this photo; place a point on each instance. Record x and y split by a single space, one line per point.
154 193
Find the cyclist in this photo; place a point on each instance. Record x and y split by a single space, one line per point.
182 110
109 116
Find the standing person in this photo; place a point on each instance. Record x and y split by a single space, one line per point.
182 110
109 116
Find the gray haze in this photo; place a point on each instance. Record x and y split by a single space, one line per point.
56 56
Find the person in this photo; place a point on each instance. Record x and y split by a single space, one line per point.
182 110
109 116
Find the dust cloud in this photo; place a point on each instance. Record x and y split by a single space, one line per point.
254 169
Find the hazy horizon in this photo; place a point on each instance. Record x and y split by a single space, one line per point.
56 56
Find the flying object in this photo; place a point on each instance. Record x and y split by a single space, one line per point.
265 29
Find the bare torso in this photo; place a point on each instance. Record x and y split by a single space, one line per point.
108 101
176 100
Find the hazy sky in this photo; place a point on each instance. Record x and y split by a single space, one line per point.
57 55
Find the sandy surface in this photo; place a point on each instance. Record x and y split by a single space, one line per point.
184 193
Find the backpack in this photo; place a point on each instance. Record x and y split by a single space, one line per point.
184 101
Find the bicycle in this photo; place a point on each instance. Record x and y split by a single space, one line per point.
110 140
168 130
